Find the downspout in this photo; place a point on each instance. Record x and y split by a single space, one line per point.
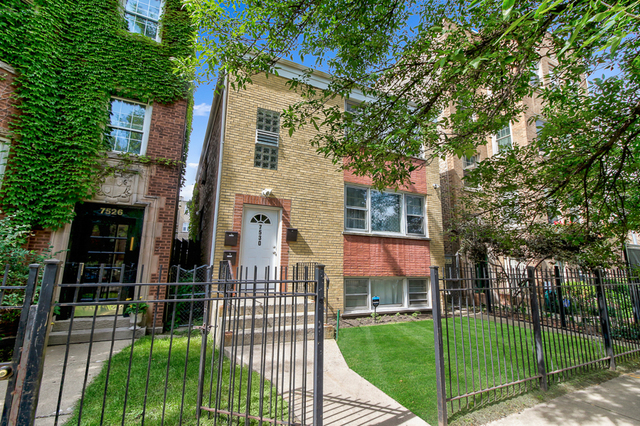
219 177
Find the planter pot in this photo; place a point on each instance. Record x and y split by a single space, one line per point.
228 337
136 320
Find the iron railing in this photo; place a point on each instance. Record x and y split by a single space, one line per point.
503 331
247 361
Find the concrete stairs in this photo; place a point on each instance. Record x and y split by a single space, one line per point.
102 331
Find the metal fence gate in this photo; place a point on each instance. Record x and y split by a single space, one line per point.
499 331
254 356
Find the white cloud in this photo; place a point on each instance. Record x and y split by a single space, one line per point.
187 192
201 109
193 165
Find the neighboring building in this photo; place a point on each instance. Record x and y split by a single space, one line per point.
269 200
182 223
454 169
130 220
633 250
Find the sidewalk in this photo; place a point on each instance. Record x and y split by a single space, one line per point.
615 402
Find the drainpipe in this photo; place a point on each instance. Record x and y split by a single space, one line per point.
219 177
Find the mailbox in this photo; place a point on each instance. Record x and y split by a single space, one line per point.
231 238
292 234
230 255
375 301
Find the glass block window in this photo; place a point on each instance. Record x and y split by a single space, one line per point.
266 157
143 16
267 139
128 126
503 138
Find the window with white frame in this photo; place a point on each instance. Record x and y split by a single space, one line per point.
534 79
368 210
143 17
539 127
395 293
503 138
4 155
468 164
267 139
634 237
129 126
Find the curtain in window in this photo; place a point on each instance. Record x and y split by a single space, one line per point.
390 292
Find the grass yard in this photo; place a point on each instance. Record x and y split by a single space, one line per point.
175 408
399 359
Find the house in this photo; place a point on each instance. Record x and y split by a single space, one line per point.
268 200
520 132
182 223
133 122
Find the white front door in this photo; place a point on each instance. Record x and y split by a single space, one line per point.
259 242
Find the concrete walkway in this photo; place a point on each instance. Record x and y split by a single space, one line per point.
348 398
615 402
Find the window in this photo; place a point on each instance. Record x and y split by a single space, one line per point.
369 210
503 138
185 227
129 126
634 237
394 292
4 155
468 164
534 79
267 139
539 127
143 16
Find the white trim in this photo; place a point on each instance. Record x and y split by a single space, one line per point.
145 126
403 214
216 209
5 147
496 147
405 306
159 21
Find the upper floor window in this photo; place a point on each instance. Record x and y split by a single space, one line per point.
267 139
634 237
143 17
368 210
468 164
534 78
185 227
129 126
4 155
503 138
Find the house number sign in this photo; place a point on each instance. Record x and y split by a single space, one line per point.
260 234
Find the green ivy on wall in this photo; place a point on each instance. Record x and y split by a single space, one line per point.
71 58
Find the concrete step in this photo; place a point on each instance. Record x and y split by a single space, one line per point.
83 323
270 306
99 335
284 334
270 319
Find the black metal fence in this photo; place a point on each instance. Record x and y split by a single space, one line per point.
503 331
249 360
191 286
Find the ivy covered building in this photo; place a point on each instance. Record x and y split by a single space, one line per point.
95 125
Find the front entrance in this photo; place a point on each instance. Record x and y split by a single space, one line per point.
104 247
259 244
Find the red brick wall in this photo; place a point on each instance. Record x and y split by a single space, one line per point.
7 104
285 205
166 140
40 240
366 256
418 178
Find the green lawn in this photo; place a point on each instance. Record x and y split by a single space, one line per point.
399 358
175 407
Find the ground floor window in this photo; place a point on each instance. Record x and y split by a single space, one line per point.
395 293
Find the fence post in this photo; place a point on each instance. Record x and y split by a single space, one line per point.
604 319
439 350
537 329
563 319
29 371
318 360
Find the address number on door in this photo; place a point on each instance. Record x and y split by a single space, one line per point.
112 212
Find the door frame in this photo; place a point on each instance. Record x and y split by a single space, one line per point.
278 211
